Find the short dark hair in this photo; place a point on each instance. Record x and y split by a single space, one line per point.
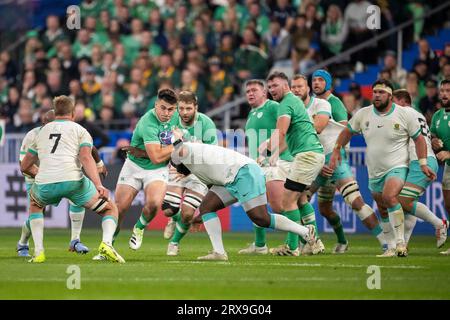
168 95
402 94
383 82
445 81
188 97
277 74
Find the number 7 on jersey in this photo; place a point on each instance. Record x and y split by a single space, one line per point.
58 137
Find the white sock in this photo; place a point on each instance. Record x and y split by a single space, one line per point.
388 233
37 231
214 228
26 233
425 214
109 224
397 219
76 220
280 222
410 223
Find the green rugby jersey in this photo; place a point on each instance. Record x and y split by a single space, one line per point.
338 110
261 122
440 127
203 129
147 132
301 135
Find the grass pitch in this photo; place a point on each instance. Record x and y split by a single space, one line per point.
150 274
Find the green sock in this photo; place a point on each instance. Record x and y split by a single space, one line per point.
142 222
260 236
338 229
308 216
176 217
180 231
293 215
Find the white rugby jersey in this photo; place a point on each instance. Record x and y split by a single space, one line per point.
387 137
329 134
212 164
57 145
425 131
27 142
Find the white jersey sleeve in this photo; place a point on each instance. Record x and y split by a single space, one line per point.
355 123
425 131
212 164
329 134
57 145
27 142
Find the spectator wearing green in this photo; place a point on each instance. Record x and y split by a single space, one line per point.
220 90
82 47
92 7
250 61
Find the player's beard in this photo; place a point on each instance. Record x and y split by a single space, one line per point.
382 106
320 93
446 106
189 121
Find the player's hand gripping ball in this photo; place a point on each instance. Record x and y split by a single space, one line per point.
166 137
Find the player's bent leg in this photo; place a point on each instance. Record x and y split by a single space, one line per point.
154 197
109 212
22 245
274 197
352 196
191 202
217 198
392 187
123 198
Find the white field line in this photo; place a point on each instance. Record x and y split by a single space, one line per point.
311 265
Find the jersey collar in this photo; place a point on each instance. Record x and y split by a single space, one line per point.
311 98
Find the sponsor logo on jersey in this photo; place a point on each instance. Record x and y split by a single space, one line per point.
396 126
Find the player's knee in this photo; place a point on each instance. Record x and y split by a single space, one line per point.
326 209
192 202
276 206
171 203
262 221
102 206
350 193
152 206
187 216
389 200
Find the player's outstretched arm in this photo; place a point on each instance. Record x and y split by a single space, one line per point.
343 138
88 163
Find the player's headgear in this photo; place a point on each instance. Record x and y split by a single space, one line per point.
325 75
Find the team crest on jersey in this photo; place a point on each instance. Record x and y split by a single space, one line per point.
396 126
259 115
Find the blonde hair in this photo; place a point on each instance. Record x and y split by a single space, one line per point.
63 105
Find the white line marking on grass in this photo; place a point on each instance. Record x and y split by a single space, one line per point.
304 264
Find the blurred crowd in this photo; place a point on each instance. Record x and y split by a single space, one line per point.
126 50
